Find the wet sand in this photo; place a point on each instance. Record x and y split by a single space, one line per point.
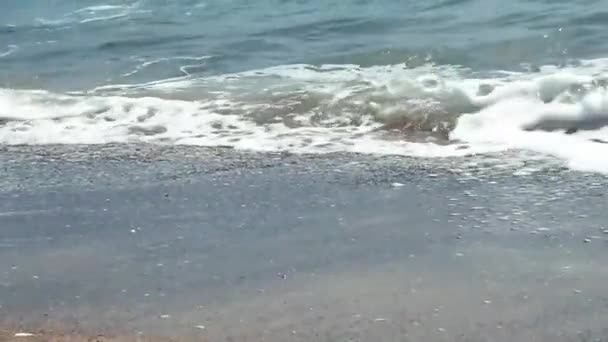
116 243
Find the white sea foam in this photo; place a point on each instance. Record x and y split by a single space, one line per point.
100 8
560 112
11 49
105 18
91 14
199 61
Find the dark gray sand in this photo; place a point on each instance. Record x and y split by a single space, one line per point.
117 243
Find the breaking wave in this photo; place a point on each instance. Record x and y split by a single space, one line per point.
428 111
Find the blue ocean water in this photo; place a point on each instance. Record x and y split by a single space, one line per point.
62 44
422 78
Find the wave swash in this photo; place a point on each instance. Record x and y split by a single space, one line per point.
428 111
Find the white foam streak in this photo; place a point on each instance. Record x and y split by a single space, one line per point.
100 8
104 18
11 49
90 14
183 68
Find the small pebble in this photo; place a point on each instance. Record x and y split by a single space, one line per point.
577 291
587 240
24 334
165 316
200 327
380 320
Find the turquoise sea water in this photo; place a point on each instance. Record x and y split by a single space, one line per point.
79 44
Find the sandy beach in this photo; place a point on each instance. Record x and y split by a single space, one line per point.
160 244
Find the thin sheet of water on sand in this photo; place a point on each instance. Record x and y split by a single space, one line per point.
217 245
